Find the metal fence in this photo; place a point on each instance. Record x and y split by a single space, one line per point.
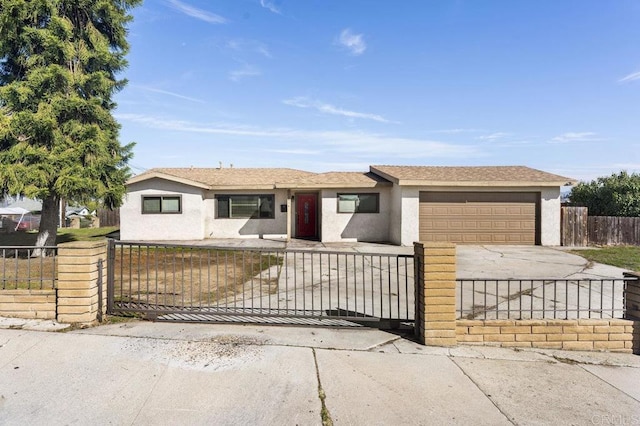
160 279
540 298
20 270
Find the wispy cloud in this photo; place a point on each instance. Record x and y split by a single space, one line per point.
194 12
357 144
352 42
493 136
242 73
456 131
570 137
630 77
168 93
303 102
242 45
270 6
296 151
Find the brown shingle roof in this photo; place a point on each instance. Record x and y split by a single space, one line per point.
340 180
233 178
472 176
269 178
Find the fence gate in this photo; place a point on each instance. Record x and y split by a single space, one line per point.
167 282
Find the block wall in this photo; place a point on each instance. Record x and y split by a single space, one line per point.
29 304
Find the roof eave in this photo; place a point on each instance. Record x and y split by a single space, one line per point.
518 184
234 187
336 185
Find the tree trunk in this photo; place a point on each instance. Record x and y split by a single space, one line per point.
48 225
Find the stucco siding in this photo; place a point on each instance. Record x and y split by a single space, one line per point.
395 215
371 227
550 216
187 225
244 228
410 212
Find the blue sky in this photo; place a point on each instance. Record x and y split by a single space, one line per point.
341 84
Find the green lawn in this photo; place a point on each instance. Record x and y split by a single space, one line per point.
626 257
65 235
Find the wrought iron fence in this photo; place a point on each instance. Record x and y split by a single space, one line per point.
540 298
157 279
21 270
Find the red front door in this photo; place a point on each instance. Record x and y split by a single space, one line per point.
306 215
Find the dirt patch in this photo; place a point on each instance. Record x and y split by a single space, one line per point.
191 277
19 271
230 352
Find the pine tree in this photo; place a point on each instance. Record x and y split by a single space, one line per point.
58 138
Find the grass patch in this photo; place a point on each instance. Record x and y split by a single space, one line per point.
627 257
84 234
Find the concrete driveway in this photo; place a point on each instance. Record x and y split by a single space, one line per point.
474 261
501 281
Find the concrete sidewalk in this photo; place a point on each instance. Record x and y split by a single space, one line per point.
168 373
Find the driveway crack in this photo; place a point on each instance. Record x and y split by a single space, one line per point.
483 392
325 416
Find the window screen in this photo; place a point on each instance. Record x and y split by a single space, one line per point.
161 204
246 206
359 203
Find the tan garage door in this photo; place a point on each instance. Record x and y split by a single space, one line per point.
479 217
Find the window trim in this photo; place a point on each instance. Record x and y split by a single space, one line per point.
259 196
358 194
161 197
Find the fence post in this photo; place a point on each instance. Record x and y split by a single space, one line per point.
81 265
632 295
435 293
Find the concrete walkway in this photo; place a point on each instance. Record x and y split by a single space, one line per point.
164 373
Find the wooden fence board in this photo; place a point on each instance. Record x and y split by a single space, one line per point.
573 227
577 229
109 217
611 230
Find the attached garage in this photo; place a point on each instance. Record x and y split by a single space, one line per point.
480 217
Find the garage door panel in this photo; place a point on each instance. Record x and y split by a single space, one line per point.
478 218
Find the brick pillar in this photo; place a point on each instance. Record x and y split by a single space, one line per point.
435 293
78 275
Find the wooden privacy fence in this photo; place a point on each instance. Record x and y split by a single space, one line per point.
610 230
574 226
109 217
579 230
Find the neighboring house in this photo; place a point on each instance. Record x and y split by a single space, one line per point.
80 211
397 204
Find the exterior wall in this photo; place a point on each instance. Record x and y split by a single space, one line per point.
188 225
410 208
549 210
245 227
372 227
395 215
614 335
28 304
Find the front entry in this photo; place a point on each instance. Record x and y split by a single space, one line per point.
306 216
